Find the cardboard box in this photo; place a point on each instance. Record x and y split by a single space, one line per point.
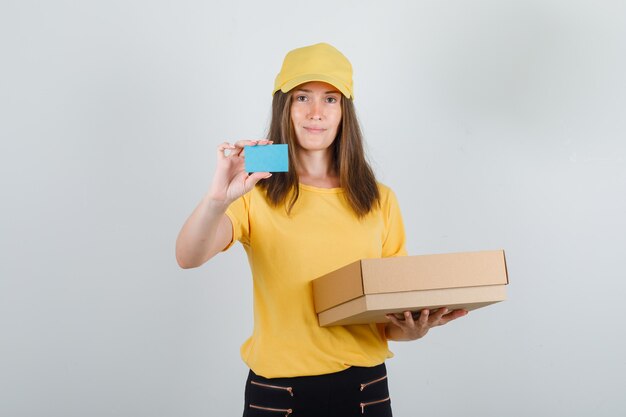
366 290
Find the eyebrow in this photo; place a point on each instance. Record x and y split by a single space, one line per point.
310 91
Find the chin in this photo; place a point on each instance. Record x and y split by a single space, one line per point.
314 146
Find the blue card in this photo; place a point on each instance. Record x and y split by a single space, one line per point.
266 158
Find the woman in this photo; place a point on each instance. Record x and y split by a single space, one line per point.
326 212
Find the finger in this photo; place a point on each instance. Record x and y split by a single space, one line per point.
242 143
423 320
392 318
453 315
439 314
252 179
408 319
224 145
221 149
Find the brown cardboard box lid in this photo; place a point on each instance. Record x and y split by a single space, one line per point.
409 273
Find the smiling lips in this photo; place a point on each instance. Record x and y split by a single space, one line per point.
312 129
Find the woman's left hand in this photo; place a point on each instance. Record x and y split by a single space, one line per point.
412 329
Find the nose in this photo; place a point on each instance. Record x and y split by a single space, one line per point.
315 111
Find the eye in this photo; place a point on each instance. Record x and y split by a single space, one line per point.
301 98
331 99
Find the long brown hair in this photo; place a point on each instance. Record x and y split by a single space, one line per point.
356 176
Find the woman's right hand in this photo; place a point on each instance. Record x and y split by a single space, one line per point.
208 230
231 180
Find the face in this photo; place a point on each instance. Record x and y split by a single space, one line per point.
315 114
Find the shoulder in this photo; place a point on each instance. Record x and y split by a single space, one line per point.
386 193
383 188
388 200
255 195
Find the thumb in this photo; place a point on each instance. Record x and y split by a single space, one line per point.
256 177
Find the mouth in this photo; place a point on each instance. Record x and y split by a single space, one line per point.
312 129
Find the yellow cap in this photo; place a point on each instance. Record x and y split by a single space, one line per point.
319 62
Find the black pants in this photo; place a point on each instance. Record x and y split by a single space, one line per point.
356 391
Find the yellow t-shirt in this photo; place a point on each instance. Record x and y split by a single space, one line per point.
286 252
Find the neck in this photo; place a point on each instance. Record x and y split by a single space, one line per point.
315 168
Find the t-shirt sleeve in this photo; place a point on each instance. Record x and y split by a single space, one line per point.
394 243
239 214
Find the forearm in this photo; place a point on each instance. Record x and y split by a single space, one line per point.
203 235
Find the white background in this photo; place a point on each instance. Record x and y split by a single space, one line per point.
499 124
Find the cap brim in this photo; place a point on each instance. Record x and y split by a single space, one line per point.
294 82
